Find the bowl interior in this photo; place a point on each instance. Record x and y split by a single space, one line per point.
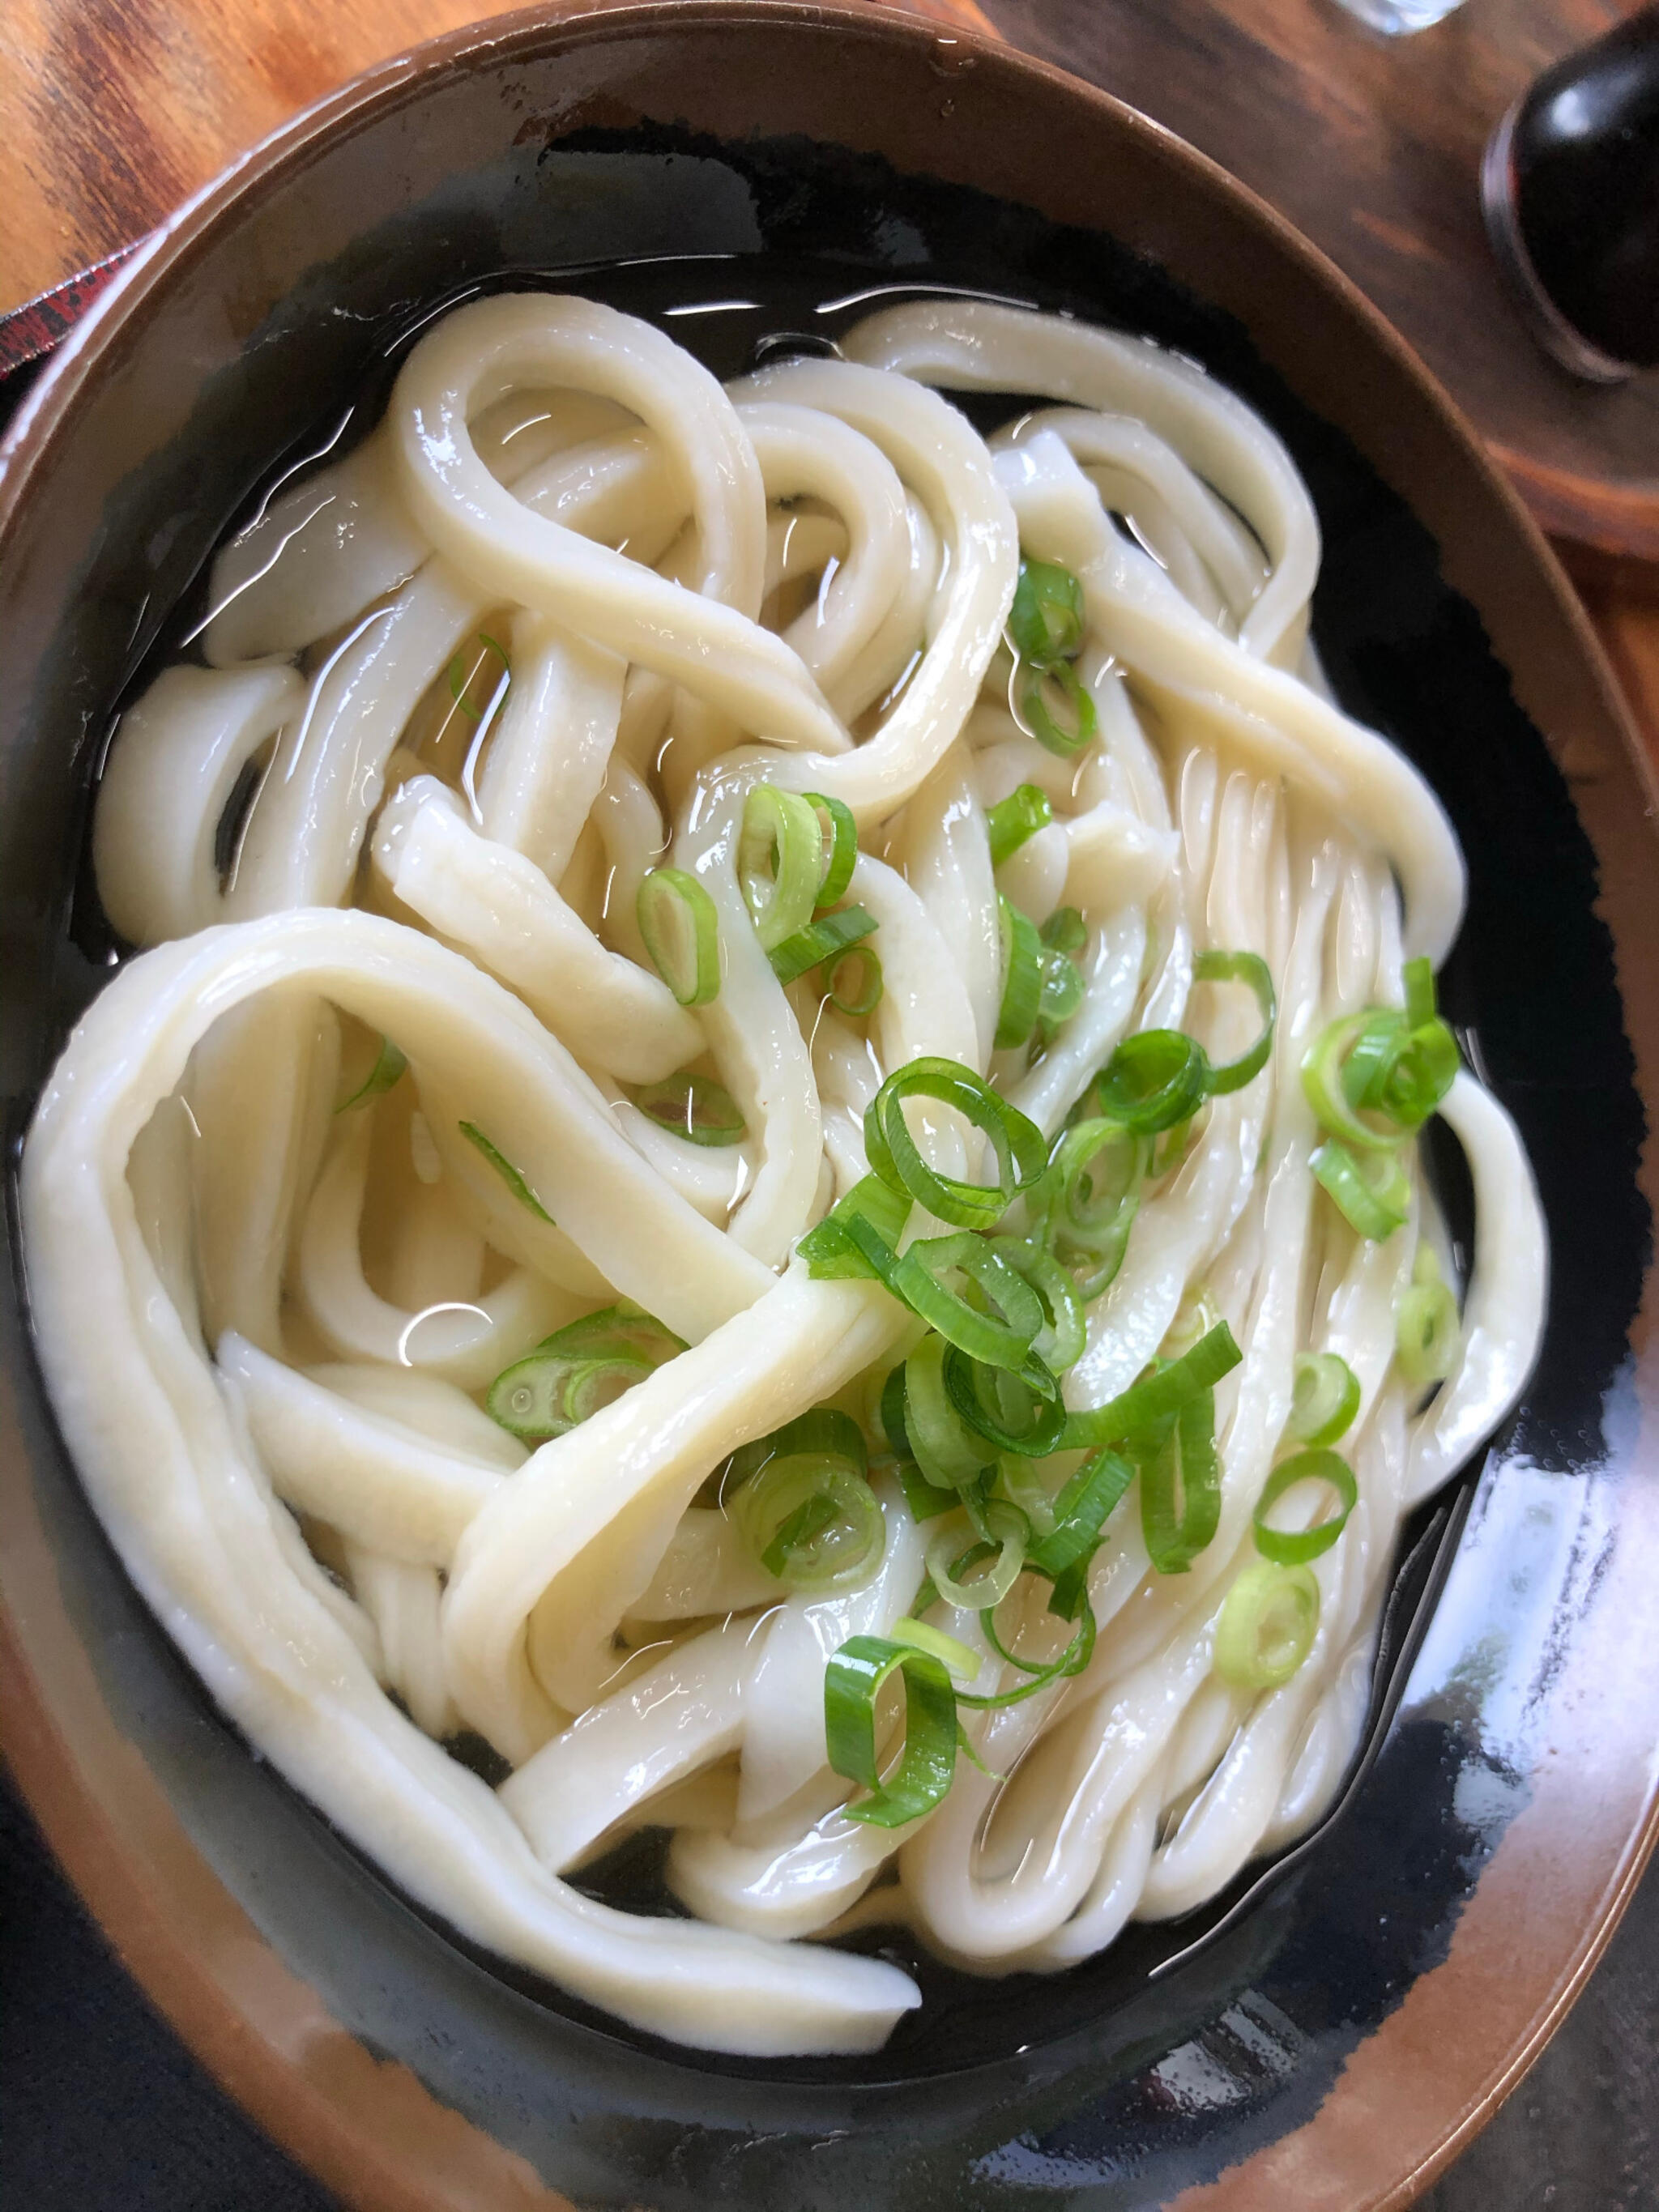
1189 2045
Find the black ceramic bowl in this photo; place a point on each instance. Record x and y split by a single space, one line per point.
1331 2029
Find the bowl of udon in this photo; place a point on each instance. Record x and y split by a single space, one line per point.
830 968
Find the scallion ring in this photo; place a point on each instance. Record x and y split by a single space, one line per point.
1266 1625
807 1511
830 1250
1012 820
1072 1661
1001 1336
998 1408
1154 1079
1426 1323
1249 968
1326 1067
1045 621
1369 1189
839 835
950 1650
681 929
694 1107
1057 711
1088 1200
948 1451
851 1684
1294 1547
854 983
1058 1343
1181 1488
549 1393
893 1155
1324 1398
1065 930
1140 1411
826 939
949 1561
780 861
1022 976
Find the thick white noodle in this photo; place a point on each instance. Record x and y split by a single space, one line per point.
300 1290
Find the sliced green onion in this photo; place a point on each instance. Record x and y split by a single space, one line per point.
1072 1661
1181 1488
1142 1409
460 678
1046 619
832 1255
546 1393
891 1150
1012 820
1417 977
826 939
1088 1199
852 1683
779 862
1369 1189
1324 1068
682 935
998 1405
1080 1513
890 1410
1057 711
1399 1071
858 992
1002 1336
1003 1547
1022 976
1060 992
1153 1080
694 1107
1295 1547
806 1510
1065 930
582 1367
619 1332
1247 968
925 1500
1058 1343
946 1448
505 1168
388 1068
1426 1323
1023 1484
837 827
951 1649
1267 1627
1324 1398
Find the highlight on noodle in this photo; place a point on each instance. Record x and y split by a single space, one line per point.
764 1148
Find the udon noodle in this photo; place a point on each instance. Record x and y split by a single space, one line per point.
473 1009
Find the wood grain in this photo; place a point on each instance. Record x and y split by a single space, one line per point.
115 110
1372 146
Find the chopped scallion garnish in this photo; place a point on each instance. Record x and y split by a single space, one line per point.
694 1107
387 1070
1324 1398
852 1683
1012 820
1267 1627
780 862
1292 1547
892 1153
1022 977
505 1168
826 939
840 835
1045 621
855 982
1426 1323
1369 1189
681 929
1249 968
